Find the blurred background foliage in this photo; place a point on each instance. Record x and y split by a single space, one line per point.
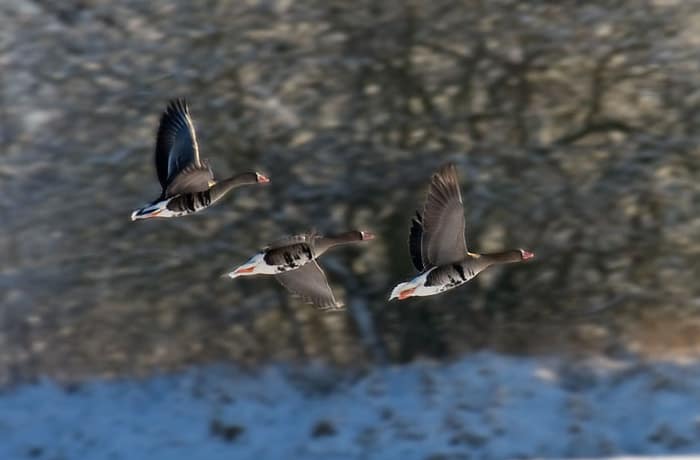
574 126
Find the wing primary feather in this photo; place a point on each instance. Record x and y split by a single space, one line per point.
310 283
443 239
414 242
176 142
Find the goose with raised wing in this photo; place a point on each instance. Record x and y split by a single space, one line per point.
437 243
188 182
293 262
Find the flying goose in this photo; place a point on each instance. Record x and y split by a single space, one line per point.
188 182
437 243
292 261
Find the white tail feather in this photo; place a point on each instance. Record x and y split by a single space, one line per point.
401 287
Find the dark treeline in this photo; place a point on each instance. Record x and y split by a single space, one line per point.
574 126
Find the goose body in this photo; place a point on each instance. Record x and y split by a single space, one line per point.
437 243
288 254
188 184
293 263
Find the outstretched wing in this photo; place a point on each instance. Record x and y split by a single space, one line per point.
415 238
443 240
310 283
176 146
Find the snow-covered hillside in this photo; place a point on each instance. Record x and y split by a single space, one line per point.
483 406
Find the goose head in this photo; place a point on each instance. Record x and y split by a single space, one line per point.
365 236
261 178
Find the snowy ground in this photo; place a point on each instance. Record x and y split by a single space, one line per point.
483 406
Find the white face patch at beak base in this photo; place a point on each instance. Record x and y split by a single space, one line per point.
367 236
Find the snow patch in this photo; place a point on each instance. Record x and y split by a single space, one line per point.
484 406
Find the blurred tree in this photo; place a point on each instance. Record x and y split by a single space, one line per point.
574 125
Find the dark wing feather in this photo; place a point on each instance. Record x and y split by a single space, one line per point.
308 238
192 179
443 239
176 143
414 242
310 283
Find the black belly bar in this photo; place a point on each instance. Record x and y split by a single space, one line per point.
448 276
289 258
190 202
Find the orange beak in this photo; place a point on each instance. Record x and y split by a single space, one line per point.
406 293
367 235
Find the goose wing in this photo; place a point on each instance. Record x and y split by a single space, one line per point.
177 153
308 238
191 179
443 239
415 238
310 283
